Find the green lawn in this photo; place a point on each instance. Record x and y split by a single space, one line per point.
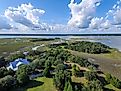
47 85
38 84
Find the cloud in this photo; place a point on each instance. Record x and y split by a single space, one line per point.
82 13
115 13
4 24
83 16
97 23
27 19
117 16
24 14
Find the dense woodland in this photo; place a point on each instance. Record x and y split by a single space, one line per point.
85 46
54 63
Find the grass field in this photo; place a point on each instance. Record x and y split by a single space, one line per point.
46 86
10 45
38 84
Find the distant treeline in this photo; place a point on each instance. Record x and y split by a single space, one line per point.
43 39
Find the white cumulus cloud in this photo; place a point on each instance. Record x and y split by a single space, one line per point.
27 19
97 23
24 14
82 13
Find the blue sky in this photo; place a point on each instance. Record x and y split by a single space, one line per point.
59 12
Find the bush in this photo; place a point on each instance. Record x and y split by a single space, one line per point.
90 75
2 61
113 80
5 72
68 86
46 72
94 85
75 71
22 74
6 83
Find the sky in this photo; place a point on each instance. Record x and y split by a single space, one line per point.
60 16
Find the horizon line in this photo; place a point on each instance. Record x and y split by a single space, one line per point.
112 34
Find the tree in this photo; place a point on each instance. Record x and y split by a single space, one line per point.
108 77
90 75
22 78
2 61
58 61
46 72
94 85
75 70
6 83
61 77
38 63
5 72
60 67
68 86
113 80
88 47
22 74
48 64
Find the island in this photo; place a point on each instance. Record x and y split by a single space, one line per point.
55 64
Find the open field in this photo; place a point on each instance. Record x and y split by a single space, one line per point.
46 86
38 84
10 45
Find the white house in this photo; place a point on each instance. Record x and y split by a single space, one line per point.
15 64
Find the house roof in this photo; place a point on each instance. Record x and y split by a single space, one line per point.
18 62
